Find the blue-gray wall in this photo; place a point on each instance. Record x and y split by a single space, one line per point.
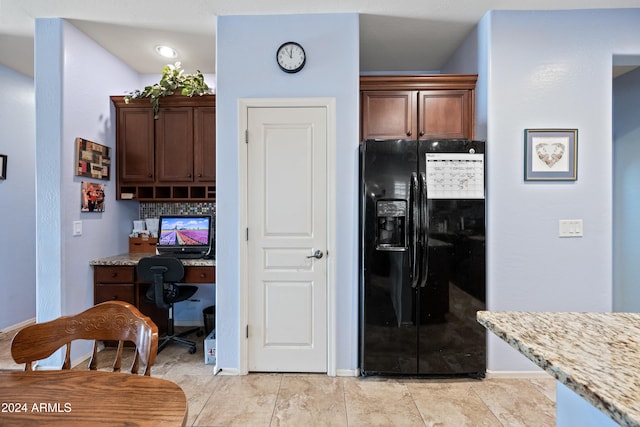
246 68
559 78
626 191
17 199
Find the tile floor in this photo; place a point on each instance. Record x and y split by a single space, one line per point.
318 400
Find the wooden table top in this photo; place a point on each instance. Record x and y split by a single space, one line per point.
89 398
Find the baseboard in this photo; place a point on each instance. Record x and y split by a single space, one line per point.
18 325
347 372
517 374
225 371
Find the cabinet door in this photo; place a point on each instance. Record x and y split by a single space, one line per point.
389 115
445 114
174 145
204 144
135 145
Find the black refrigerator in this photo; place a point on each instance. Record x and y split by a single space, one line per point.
422 260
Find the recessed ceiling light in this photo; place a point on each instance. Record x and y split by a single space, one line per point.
166 51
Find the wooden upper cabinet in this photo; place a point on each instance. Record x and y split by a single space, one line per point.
174 145
417 107
204 144
389 114
171 158
444 114
136 158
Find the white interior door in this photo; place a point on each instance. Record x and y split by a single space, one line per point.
287 239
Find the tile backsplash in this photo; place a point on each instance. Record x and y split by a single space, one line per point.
155 209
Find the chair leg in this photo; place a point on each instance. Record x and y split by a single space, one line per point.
173 337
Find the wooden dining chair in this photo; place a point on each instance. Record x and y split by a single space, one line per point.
109 321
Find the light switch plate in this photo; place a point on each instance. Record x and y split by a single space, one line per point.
570 228
77 228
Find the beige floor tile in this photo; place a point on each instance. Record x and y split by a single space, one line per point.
310 400
516 402
451 403
198 389
546 386
380 402
241 401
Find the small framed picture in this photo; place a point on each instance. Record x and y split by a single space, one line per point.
550 154
3 166
92 197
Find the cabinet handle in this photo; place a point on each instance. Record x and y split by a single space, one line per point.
409 133
421 133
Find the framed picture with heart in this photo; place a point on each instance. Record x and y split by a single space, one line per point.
550 154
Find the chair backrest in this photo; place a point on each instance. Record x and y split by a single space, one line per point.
160 270
108 321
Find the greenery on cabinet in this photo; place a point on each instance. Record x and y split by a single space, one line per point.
173 80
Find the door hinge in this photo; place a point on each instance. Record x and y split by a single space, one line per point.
246 234
246 136
247 332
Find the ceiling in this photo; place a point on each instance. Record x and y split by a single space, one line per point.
395 35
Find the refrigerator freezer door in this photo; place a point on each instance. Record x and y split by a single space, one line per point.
388 331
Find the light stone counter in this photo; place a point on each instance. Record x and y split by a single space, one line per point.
596 355
131 259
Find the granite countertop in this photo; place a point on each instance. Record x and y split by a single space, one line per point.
131 259
597 355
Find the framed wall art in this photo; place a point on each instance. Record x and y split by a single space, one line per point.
550 154
92 197
3 166
92 159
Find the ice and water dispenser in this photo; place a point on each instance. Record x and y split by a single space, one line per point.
391 225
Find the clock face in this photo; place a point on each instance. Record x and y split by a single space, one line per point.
291 57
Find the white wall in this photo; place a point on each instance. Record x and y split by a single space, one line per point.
246 68
549 69
74 79
18 199
626 191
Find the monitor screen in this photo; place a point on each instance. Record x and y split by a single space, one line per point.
181 233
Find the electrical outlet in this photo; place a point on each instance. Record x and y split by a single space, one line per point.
570 228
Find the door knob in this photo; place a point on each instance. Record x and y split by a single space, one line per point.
317 254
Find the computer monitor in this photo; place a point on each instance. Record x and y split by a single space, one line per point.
187 236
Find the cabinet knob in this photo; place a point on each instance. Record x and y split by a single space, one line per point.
114 275
189 175
421 133
150 175
409 133
202 275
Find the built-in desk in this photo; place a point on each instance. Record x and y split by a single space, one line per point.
115 278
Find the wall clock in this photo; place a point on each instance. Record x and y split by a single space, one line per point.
291 57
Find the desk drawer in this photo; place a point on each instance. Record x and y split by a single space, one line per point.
195 274
123 292
112 274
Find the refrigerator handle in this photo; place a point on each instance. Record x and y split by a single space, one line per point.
414 218
424 230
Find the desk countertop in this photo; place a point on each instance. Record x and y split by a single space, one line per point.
131 259
597 355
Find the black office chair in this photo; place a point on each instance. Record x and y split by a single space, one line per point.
163 272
